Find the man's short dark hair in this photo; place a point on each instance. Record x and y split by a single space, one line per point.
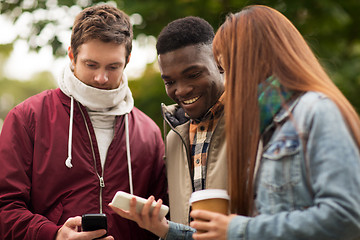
183 32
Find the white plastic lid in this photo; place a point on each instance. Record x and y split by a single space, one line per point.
208 193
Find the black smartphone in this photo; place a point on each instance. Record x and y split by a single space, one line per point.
94 221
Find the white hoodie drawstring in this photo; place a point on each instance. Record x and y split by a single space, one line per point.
128 152
68 160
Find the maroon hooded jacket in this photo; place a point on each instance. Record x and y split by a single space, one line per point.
38 192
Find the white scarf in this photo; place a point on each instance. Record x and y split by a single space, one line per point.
112 102
102 105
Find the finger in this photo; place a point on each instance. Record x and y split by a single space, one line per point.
146 211
135 215
156 211
108 238
73 222
132 210
147 206
121 212
91 234
200 225
203 214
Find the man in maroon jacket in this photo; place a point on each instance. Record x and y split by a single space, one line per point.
66 152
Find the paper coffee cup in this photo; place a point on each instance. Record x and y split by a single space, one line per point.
215 200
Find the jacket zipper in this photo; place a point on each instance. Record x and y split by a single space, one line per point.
183 141
101 178
186 149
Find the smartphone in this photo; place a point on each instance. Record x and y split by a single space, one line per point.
122 200
94 221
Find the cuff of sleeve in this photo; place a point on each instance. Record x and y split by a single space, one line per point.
47 231
237 228
179 231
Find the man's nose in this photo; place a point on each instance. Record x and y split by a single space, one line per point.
101 77
183 90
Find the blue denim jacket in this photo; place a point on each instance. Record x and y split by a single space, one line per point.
308 181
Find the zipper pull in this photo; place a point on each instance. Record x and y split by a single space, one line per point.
102 183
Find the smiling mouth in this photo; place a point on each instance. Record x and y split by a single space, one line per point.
190 101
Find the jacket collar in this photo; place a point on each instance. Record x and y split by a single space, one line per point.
174 115
63 97
285 112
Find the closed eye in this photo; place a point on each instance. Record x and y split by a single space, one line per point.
113 67
91 65
169 83
194 75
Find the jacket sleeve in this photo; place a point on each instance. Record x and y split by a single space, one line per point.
179 231
335 181
16 151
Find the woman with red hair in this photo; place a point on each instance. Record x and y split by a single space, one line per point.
293 138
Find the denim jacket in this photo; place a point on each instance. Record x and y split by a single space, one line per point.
308 181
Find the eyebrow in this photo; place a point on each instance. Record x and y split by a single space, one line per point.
88 60
189 69
93 61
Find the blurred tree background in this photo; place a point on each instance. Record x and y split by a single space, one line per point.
331 28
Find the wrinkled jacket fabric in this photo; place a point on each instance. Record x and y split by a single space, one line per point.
308 182
178 163
38 193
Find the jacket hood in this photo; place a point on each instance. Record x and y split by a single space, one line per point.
174 115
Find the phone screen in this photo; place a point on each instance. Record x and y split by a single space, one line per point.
94 221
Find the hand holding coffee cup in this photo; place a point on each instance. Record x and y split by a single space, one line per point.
214 200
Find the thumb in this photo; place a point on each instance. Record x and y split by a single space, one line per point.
73 223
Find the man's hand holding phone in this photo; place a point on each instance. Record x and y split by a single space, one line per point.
70 231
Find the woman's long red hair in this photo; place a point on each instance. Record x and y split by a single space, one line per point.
250 46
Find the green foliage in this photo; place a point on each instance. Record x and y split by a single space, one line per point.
12 92
5 51
149 92
331 28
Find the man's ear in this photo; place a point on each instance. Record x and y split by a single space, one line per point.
128 59
71 55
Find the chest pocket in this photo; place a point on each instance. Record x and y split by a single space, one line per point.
279 177
281 164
